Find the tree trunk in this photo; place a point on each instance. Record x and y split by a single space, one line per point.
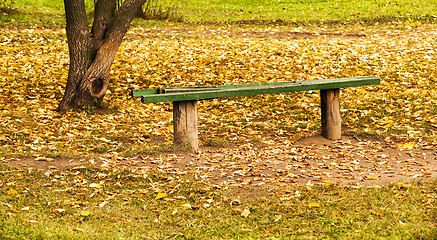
92 53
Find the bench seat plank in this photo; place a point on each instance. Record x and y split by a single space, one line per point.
189 94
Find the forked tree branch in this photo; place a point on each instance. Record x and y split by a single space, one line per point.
96 80
103 16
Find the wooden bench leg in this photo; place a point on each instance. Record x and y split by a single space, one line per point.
331 119
185 123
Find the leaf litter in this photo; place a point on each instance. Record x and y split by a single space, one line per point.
246 141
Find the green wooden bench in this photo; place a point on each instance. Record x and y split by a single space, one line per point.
185 111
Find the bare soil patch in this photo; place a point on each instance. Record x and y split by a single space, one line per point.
246 33
311 160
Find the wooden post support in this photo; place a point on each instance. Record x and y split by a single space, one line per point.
331 119
185 123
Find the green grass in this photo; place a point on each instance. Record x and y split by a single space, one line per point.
34 12
96 203
311 11
296 12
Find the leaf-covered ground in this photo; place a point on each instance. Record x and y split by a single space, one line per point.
388 127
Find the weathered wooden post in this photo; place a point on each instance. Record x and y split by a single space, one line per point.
185 123
331 119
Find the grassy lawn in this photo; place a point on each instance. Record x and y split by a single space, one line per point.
217 42
297 12
86 203
309 11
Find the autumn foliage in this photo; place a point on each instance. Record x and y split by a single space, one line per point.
35 67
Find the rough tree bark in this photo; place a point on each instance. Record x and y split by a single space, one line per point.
92 52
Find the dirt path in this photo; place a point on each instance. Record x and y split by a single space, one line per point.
244 33
309 161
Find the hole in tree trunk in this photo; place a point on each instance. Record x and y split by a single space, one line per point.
98 87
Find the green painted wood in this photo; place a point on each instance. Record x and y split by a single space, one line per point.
142 92
152 95
189 89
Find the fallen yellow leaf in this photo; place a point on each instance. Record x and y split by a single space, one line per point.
85 213
13 210
59 210
246 230
186 206
373 178
235 202
29 221
277 218
161 195
245 213
95 185
292 175
25 209
408 146
375 213
314 205
44 159
403 185
12 192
